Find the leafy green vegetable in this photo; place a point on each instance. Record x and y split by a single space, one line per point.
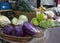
22 19
40 16
14 20
46 24
43 24
34 21
51 23
4 20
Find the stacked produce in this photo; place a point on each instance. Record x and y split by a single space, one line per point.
43 20
17 26
20 26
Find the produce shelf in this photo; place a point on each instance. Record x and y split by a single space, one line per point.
5 10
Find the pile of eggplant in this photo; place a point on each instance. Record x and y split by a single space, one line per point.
18 26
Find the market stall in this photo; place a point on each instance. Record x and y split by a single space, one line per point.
21 22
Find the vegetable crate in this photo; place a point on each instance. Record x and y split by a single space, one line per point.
30 15
26 38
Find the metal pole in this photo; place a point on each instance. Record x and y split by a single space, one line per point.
38 3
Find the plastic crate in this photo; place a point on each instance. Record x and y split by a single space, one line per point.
5 5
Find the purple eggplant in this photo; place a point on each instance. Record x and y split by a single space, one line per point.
7 29
29 28
18 31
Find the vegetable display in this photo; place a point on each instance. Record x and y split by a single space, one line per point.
46 24
21 26
20 20
18 26
42 21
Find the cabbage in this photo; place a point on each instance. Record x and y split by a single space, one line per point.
4 20
43 24
40 16
46 24
20 22
34 21
14 21
22 19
